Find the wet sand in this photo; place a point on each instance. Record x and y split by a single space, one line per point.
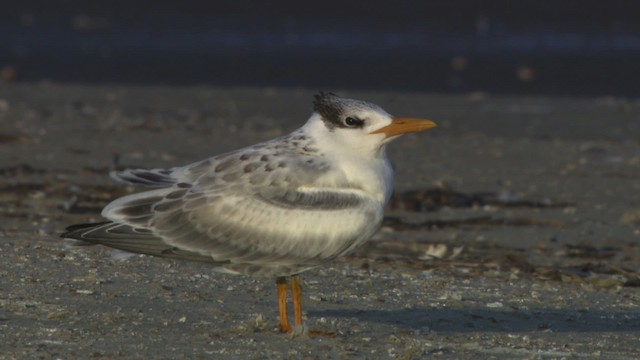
514 232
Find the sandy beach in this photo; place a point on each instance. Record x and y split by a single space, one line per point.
514 232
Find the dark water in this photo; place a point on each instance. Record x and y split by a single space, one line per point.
562 48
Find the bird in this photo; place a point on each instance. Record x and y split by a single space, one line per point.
274 209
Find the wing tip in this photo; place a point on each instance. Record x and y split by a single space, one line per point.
145 177
77 230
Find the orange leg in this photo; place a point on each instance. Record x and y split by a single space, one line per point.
283 288
296 293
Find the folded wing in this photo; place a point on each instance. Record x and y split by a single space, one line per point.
248 212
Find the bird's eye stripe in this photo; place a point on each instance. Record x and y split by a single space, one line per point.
353 122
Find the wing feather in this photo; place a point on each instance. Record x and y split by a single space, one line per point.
250 211
145 177
128 238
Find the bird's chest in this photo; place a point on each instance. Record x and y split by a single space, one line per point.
373 177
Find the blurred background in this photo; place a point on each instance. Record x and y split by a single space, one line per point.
567 48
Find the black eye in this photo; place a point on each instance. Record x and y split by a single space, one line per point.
353 122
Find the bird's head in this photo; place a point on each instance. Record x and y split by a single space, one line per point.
358 124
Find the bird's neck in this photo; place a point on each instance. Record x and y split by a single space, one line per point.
373 175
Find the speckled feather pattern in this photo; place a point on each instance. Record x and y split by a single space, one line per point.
243 211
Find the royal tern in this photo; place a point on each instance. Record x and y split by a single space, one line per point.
277 208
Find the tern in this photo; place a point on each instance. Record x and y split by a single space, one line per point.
273 209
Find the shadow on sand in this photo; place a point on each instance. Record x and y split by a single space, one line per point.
495 320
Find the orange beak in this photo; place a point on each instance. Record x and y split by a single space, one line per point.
401 126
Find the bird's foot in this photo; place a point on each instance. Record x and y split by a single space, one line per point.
302 330
319 333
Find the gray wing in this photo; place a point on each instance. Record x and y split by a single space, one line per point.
254 211
128 238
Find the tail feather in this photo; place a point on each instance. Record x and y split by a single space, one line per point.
145 177
128 238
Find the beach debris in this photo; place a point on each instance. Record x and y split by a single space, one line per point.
631 217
